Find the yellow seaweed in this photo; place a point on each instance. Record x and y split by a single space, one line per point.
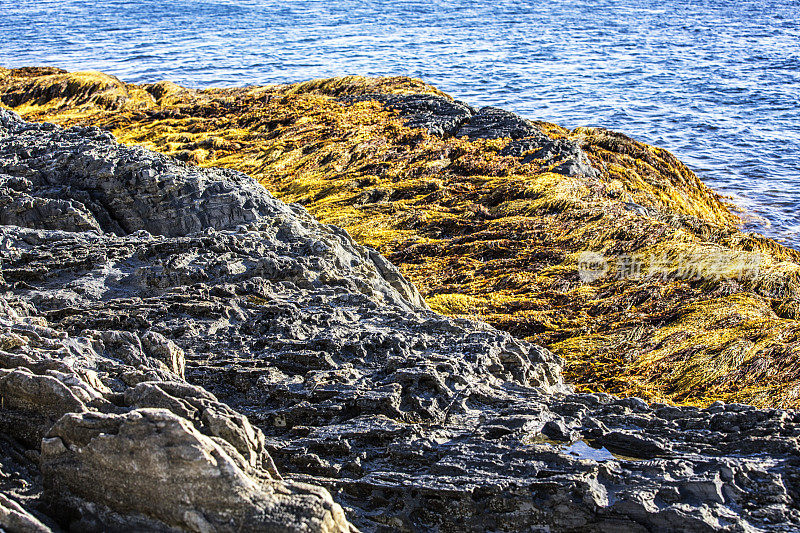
485 236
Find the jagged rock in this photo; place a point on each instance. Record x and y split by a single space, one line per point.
412 421
32 403
20 209
436 114
561 156
15 519
88 167
495 123
446 118
21 488
155 466
528 142
219 420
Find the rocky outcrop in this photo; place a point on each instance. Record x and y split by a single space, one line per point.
160 369
491 216
121 440
445 117
149 468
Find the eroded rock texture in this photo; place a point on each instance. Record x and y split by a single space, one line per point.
171 338
445 117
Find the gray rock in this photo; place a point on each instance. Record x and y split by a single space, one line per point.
436 114
447 118
307 354
557 430
21 209
124 190
112 443
32 403
162 473
561 156
15 519
495 123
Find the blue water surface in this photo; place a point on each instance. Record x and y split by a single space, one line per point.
717 81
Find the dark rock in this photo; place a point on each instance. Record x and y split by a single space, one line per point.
557 430
300 347
562 156
495 123
32 403
436 114
633 444
15 519
446 118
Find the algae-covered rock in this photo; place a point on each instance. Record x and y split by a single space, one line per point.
317 390
491 216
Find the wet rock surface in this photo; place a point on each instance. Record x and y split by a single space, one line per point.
178 350
452 118
436 114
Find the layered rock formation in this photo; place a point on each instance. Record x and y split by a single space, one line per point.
98 414
181 351
491 216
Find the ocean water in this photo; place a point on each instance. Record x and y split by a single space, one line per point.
717 81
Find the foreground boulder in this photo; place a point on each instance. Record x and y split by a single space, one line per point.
157 469
160 371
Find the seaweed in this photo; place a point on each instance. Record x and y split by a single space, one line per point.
489 236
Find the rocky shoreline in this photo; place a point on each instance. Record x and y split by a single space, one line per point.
180 351
492 217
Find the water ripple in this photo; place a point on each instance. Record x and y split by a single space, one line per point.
715 81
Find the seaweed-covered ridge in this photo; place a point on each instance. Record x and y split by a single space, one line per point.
495 217
231 364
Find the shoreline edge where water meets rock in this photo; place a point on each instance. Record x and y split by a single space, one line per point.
181 351
492 217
